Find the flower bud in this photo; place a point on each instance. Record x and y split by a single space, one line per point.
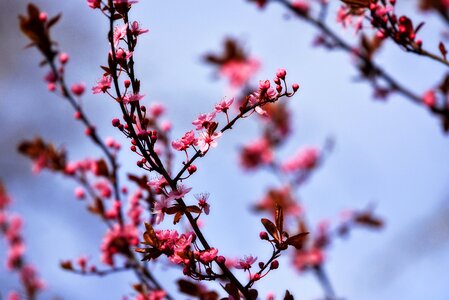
263 235
191 169
63 58
274 265
281 73
295 87
264 85
115 122
127 83
221 259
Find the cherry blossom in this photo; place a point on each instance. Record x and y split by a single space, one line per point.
206 140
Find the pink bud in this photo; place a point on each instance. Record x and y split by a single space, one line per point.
78 88
63 58
263 235
115 122
51 87
127 83
77 115
274 265
295 87
264 85
191 169
43 16
281 73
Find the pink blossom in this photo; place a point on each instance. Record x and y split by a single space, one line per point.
158 184
136 30
120 33
305 159
256 153
117 240
202 202
102 85
180 192
205 141
94 3
246 262
239 72
304 259
160 207
204 120
153 295
157 109
223 105
185 142
13 295
208 256
302 6
103 188
166 125
131 97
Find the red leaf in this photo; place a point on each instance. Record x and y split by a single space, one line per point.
298 240
271 228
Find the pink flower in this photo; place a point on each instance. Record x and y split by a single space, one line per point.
305 159
102 85
202 202
160 207
136 30
94 3
223 105
185 142
245 263
180 192
156 109
204 120
239 72
205 141
304 259
132 98
158 184
208 256
256 153
119 33
117 240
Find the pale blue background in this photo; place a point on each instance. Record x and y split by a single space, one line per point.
393 154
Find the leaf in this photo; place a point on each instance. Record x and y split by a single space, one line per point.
173 210
253 293
297 240
150 235
194 209
66 265
232 291
279 216
97 207
368 219
177 217
288 296
54 20
271 228
140 181
188 287
102 168
442 50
